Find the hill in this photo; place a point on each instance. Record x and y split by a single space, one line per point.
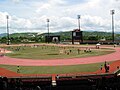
68 33
3 34
40 37
23 34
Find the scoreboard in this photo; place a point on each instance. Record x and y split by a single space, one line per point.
77 36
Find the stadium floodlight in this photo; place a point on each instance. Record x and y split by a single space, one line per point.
78 21
112 12
48 29
8 38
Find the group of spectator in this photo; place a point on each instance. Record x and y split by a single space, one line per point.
106 67
15 84
10 84
87 50
109 82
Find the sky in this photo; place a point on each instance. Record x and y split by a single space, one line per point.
32 15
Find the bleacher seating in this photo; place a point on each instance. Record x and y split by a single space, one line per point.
86 82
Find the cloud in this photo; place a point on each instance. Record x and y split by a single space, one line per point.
95 23
95 15
16 1
117 4
58 24
2 18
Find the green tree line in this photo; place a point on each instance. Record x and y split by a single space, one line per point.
64 36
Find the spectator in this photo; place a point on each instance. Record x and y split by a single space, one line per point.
18 84
57 76
78 51
70 51
18 69
1 83
105 66
12 84
117 67
101 67
38 88
5 83
108 67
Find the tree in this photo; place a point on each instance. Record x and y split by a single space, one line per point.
93 38
3 40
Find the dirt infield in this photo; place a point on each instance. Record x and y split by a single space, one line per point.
95 59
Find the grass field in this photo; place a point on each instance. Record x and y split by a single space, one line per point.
53 52
55 69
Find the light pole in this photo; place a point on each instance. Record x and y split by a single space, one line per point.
48 29
78 21
80 38
112 13
8 37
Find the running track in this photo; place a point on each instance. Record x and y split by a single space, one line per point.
87 60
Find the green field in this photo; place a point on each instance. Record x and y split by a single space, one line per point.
53 52
55 69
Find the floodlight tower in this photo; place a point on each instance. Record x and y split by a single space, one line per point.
112 13
78 21
8 37
48 29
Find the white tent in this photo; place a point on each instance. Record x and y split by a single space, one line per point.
98 44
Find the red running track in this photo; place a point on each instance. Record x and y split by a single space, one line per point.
74 61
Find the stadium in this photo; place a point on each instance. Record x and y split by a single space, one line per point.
44 47
60 73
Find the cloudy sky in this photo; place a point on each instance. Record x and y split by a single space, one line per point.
31 15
